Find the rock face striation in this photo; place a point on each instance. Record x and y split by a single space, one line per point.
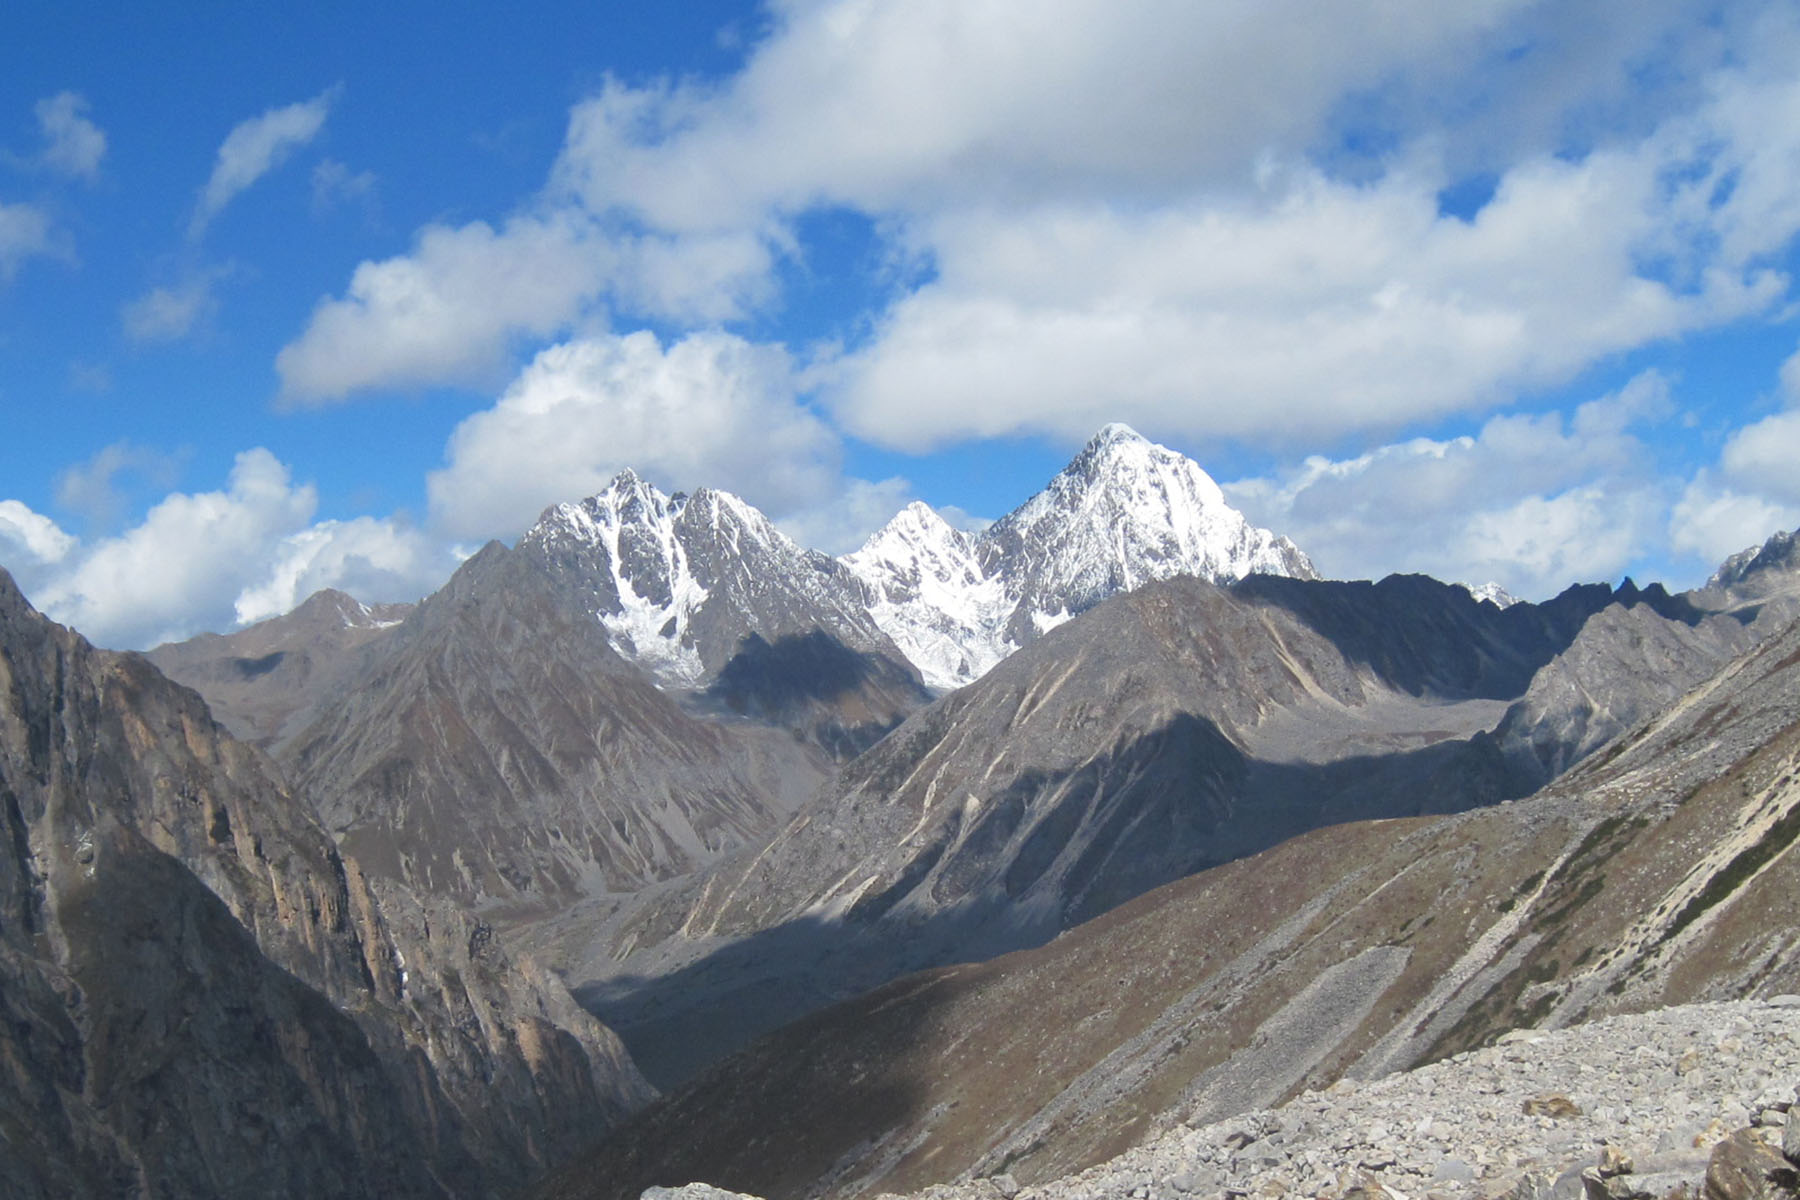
1123 513
203 998
1171 729
1660 870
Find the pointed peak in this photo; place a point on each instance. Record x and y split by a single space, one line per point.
1117 433
917 521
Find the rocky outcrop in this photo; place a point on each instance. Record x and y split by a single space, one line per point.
204 998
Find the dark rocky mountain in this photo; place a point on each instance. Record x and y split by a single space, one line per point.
1661 870
494 746
260 678
203 998
1171 729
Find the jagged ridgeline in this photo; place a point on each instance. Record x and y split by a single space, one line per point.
203 998
720 782
1660 870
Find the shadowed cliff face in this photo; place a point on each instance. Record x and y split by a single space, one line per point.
1661 870
204 999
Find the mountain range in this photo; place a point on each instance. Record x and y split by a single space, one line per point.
973 853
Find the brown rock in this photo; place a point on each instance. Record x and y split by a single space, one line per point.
1745 1167
1552 1104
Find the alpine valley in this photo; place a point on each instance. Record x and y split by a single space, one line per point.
656 848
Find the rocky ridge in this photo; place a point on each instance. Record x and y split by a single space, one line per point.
259 679
494 748
1173 728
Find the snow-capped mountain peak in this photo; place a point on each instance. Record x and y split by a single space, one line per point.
679 582
929 592
1124 512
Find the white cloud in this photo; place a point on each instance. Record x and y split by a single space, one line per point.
1318 309
73 145
179 570
25 232
446 312
29 540
168 314
1713 520
710 409
255 147
911 107
1532 502
844 521
207 560
373 560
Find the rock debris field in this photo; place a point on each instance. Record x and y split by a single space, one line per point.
1627 1107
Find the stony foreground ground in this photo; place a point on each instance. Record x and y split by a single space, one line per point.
1639 1103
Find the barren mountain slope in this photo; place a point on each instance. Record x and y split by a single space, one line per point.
1173 728
494 746
257 680
204 999
1661 870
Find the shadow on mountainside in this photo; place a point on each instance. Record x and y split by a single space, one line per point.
842 699
824 1085
1427 637
1173 802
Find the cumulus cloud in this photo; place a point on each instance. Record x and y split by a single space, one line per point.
1533 502
255 147
908 108
1751 491
1713 520
29 540
1320 308
711 409
846 520
208 560
73 144
373 560
446 312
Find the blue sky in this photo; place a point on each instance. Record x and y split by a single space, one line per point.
289 299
